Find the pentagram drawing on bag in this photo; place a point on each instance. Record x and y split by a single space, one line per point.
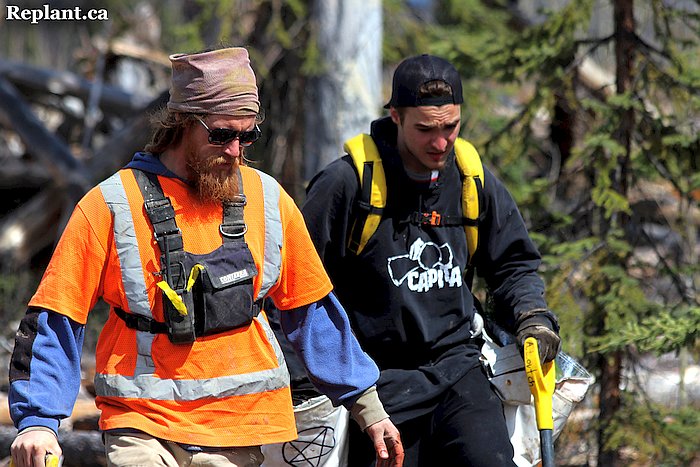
310 447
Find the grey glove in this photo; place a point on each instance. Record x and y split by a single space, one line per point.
543 326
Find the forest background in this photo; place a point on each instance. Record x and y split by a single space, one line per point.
588 110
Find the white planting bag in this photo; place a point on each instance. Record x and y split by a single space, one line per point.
322 441
506 371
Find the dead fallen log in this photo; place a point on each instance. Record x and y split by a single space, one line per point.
16 114
68 176
122 145
37 223
130 49
18 174
30 228
112 100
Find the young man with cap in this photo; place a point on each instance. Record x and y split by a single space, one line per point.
407 289
184 244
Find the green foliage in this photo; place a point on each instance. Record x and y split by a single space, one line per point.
467 28
659 435
614 296
582 205
661 332
404 34
253 24
550 47
180 33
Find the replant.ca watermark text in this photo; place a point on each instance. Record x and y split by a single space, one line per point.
46 13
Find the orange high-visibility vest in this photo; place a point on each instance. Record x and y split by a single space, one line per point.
228 389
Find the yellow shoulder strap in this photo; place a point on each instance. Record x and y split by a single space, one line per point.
472 172
369 166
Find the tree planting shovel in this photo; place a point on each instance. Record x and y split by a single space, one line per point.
51 460
542 380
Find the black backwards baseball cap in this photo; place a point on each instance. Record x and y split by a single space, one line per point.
413 72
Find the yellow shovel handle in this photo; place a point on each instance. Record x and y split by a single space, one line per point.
542 380
51 460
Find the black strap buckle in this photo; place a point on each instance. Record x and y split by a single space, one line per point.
427 218
232 225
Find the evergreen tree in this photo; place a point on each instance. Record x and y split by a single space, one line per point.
606 173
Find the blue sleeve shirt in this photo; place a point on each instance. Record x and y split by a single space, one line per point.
45 367
322 338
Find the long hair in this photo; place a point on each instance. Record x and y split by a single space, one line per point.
168 129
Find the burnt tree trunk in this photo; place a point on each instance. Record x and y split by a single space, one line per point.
346 97
611 365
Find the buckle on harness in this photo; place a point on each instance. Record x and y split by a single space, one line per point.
435 218
233 226
238 233
167 233
427 218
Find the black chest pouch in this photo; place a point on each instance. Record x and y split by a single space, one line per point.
214 295
223 296
202 294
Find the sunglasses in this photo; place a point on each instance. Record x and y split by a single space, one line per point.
223 136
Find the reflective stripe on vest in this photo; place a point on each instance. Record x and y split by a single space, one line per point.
144 384
130 263
149 386
273 233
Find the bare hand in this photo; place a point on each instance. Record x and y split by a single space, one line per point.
30 448
387 443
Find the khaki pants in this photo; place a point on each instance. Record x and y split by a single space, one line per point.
140 449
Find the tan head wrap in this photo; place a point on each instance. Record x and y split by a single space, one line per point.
217 82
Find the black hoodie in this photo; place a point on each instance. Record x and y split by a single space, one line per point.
406 293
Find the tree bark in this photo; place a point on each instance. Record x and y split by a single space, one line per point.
17 174
611 365
346 97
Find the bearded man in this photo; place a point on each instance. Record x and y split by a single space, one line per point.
184 244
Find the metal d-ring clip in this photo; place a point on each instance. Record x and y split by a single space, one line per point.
233 235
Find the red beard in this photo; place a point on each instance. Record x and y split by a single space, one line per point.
215 177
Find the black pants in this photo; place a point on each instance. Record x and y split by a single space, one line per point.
467 429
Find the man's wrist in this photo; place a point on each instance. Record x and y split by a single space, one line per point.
37 428
368 409
538 317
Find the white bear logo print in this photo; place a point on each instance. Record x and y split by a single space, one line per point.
426 265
